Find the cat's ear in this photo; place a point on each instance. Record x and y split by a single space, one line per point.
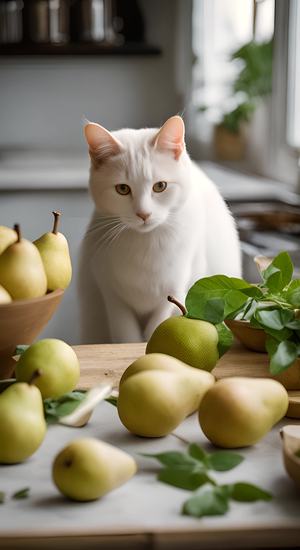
171 137
101 142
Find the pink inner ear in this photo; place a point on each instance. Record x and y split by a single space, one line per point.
101 142
171 137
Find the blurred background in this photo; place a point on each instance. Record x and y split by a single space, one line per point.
231 68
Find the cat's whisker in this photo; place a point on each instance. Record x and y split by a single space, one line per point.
108 237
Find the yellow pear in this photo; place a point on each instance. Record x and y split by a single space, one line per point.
59 365
5 298
54 250
157 392
86 469
238 412
21 269
22 426
161 362
152 404
7 236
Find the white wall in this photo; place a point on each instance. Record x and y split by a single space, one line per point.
42 100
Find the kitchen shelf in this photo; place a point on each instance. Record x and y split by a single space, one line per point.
79 49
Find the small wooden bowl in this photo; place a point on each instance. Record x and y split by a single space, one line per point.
251 337
20 323
255 339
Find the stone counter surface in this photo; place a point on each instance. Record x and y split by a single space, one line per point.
145 513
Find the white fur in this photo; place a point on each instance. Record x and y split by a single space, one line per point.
128 267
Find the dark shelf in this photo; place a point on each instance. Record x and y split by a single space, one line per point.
77 49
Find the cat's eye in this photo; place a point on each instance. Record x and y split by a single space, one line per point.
159 186
123 189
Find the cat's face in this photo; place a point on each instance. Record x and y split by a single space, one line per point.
139 177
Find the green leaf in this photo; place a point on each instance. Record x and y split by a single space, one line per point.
283 356
246 492
234 300
54 409
22 493
297 453
276 319
184 477
197 453
222 461
294 325
113 400
172 458
20 349
2 497
292 294
213 310
225 338
208 501
279 273
213 298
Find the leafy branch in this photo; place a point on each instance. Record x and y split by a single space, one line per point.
190 471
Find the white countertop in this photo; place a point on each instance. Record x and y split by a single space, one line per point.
144 505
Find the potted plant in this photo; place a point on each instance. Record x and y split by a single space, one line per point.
253 83
270 309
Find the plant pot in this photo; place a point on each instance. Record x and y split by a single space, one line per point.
229 145
255 339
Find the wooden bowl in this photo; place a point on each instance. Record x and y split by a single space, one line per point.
252 338
255 339
20 323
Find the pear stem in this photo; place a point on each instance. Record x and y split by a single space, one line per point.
178 304
56 222
36 374
18 231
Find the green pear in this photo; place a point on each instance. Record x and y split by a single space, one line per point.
54 250
21 269
160 362
58 363
86 469
22 426
238 412
153 404
5 298
192 341
8 236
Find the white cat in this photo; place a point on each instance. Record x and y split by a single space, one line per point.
159 225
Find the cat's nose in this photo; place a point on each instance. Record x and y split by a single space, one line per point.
144 215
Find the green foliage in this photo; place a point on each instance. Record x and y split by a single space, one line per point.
113 400
254 80
255 77
18 495
22 493
55 409
20 349
189 471
242 113
271 306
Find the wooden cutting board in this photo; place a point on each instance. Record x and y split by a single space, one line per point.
107 362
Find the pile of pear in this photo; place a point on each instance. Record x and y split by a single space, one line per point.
30 270
174 379
86 469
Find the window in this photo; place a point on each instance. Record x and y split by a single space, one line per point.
272 132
